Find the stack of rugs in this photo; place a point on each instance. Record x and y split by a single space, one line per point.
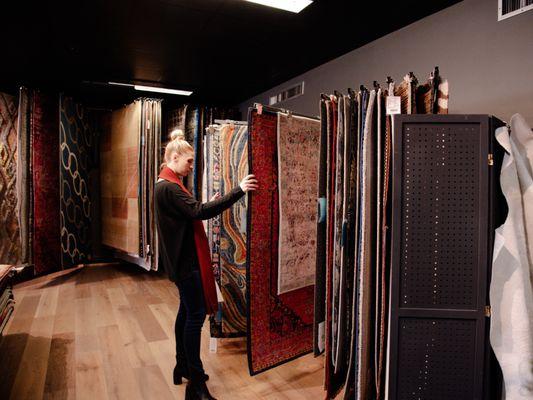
7 302
130 160
48 190
353 235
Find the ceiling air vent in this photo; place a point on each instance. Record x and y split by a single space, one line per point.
290 93
510 8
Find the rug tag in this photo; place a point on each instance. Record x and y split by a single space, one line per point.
243 222
322 209
321 336
394 105
220 298
213 345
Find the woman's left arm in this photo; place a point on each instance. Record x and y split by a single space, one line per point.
194 209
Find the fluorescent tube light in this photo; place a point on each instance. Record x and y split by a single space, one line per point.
294 6
120 84
162 90
153 89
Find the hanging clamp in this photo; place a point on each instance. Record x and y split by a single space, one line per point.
488 312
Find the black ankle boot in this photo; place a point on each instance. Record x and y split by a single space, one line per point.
197 391
180 373
181 370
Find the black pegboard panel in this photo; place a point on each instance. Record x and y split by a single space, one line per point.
436 359
442 226
440 210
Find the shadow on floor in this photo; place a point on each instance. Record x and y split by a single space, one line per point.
61 279
16 358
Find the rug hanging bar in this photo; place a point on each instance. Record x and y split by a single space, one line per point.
230 121
283 111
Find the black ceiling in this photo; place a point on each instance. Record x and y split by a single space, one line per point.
224 50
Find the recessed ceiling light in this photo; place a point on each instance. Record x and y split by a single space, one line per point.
162 90
294 6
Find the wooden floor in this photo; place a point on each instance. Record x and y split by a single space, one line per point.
107 332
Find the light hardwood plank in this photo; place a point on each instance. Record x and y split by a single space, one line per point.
150 327
90 379
165 317
117 297
61 373
154 385
83 291
163 350
65 319
27 307
48 302
14 340
119 375
31 374
86 328
102 306
133 340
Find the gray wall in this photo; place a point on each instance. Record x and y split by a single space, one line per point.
489 64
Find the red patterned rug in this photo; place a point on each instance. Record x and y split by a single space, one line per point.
280 327
45 145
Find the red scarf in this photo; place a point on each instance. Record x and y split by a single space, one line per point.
202 249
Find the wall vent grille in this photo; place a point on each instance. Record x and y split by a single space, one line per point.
287 94
510 8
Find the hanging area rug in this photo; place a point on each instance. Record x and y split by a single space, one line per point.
280 327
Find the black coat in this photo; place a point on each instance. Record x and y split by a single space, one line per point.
174 212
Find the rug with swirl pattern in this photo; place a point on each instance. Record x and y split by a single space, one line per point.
77 153
227 165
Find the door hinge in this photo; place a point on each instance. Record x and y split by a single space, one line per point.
487 311
491 159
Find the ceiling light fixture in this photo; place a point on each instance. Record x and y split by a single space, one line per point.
294 6
153 89
120 84
162 90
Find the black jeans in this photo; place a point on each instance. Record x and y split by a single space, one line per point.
189 322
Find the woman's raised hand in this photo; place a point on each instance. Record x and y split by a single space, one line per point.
249 183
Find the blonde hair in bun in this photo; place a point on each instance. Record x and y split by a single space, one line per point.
177 134
177 144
